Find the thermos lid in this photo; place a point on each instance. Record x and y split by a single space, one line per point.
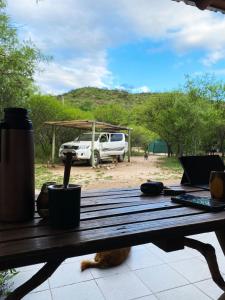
16 118
19 111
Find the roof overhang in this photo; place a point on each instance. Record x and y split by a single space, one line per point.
215 5
87 124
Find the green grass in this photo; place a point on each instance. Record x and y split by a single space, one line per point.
136 153
170 163
42 175
108 177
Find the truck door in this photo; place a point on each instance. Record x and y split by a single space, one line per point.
104 145
117 143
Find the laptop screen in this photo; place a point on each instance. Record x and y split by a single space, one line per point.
197 169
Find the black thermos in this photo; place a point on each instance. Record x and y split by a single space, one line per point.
16 166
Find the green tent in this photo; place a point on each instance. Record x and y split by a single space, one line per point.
158 146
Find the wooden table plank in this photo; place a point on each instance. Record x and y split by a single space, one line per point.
45 230
128 210
98 207
89 241
125 191
89 208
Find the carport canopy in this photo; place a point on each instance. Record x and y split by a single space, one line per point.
88 124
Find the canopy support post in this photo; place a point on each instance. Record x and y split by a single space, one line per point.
129 144
53 145
92 145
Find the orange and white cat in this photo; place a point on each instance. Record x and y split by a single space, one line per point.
107 259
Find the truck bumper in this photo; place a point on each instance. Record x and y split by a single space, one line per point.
77 155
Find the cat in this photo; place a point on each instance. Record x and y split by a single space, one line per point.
107 259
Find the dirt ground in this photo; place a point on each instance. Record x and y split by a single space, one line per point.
109 175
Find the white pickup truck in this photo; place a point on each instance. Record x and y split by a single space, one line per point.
106 146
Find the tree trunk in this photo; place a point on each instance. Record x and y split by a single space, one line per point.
169 151
222 138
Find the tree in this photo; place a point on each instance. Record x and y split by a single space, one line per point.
214 127
176 120
111 113
18 62
211 92
205 87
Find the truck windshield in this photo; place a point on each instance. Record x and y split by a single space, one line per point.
87 137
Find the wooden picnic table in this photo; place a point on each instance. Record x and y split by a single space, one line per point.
110 219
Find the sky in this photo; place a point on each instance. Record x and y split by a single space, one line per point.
135 45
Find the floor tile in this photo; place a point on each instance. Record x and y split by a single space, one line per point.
207 237
82 291
44 295
172 256
188 292
97 273
192 269
68 274
152 277
122 287
209 288
142 258
150 297
22 277
36 268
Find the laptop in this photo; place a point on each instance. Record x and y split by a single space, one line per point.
197 169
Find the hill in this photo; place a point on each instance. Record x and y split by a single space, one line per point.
89 97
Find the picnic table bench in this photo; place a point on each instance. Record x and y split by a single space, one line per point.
110 219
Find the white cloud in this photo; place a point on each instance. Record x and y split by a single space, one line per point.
140 89
184 27
213 57
79 32
133 90
58 78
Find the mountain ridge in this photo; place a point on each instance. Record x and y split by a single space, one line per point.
87 98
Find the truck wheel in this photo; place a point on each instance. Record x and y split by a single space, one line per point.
121 157
96 159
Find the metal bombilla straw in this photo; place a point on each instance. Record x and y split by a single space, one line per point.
68 163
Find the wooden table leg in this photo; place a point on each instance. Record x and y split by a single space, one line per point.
209 253
43 274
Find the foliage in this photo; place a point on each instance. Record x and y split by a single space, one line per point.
141 136
205 87
5 277
212 94
48 108
111 113
88 98
18 62
191 120
174 118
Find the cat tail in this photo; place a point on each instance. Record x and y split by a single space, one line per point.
85 264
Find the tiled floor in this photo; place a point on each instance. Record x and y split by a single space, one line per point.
148 274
